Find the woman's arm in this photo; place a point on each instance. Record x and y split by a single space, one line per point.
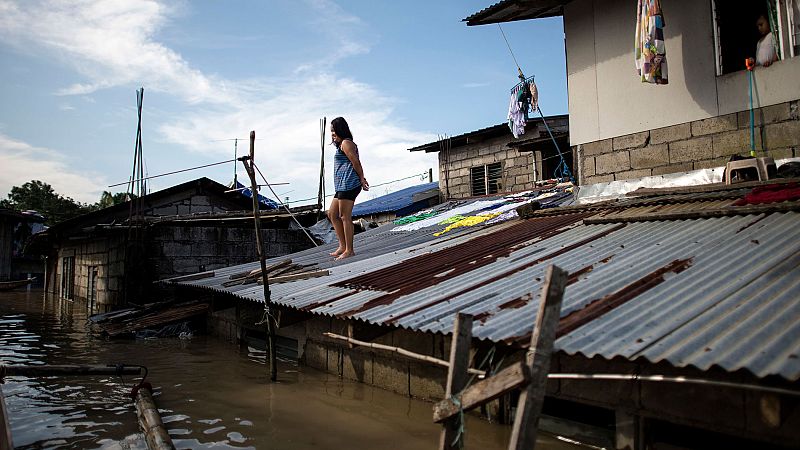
349 149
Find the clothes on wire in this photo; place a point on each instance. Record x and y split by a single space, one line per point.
345 177
651 54
524 98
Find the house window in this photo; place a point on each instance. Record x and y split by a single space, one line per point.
67 277
736 35
486 179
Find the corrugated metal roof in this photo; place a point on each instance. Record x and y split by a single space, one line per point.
395 201
512 10
703 292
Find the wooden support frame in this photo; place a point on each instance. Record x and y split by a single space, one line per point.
532 373
457 376
529 408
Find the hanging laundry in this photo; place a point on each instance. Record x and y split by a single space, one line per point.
534 96
517 115
651 54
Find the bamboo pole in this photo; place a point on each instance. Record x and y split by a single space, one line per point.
52 370
150 421
249 167
401 351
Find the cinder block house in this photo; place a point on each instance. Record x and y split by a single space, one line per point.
621 128
491 160
109 259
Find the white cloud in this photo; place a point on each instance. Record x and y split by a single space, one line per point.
112 43
22 162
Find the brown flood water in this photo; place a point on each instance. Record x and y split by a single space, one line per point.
211 394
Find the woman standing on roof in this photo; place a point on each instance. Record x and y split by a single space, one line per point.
348 181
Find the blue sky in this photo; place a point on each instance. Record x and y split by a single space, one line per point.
401 73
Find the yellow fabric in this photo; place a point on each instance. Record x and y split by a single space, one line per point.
468 222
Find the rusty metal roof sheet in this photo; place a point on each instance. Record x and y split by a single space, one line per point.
702 292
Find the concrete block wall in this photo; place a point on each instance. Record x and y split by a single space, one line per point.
455 169
199 203
699 144
181 250
108 255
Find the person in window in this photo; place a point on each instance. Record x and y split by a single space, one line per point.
348 181
765 49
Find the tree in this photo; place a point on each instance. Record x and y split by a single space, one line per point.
41 197
108 199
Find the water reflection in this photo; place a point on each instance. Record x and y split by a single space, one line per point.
211 394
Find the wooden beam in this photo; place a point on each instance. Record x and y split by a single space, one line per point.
401 351
529 408
296 276
192 277
457 376
484 391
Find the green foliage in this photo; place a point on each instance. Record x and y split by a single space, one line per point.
41 197
108 199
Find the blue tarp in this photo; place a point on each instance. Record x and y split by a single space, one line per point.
399 202
265 203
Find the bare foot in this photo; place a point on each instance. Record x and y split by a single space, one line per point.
336 253
345 255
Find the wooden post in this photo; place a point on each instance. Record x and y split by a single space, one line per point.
529 408
457 378
321 196
273 368
5 428
150 421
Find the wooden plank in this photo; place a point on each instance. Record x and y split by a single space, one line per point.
529 408
192 277
255 273
400 351
484 391
457 376
297 276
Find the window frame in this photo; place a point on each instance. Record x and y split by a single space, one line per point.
492 178
785 19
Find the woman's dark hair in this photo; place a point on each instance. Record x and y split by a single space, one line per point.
341 128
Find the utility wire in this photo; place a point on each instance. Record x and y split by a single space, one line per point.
509 48
172 173
285 206
371 186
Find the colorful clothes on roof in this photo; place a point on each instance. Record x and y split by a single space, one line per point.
651 54
468 222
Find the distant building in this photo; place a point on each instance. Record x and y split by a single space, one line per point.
15 229
401 203
491 161
109 258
